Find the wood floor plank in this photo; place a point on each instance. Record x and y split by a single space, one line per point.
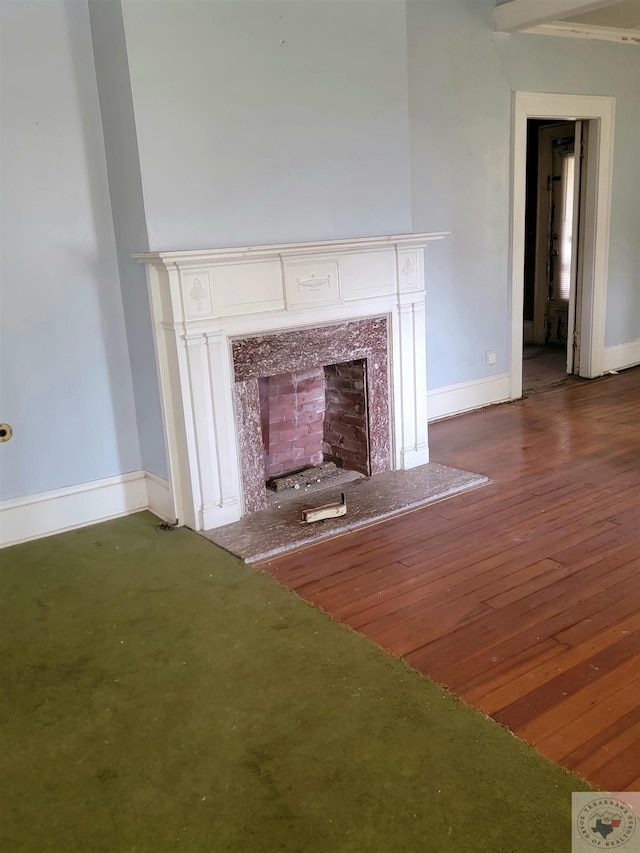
613 755
497 693
622 767
425 587
558 745
535 521
632 786
547 616
490 662
522 597
552 692
554 730
598 750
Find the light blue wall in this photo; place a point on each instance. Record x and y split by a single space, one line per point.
461 76
270 121
129 222
535 63
257 122
66 381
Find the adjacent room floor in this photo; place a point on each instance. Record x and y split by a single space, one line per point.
543 366
523 597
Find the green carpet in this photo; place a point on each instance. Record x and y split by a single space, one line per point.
160 695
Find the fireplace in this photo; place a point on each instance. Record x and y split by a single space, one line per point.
234 328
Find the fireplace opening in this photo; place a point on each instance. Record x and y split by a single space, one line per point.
341 412
313 416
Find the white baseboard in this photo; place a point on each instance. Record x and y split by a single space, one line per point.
159 497
88 503
621 356
66 509
466 396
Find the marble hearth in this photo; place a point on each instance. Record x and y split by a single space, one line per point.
225 318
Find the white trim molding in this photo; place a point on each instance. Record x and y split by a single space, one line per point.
569 29
467 396
76 506
159 498
621 356
600 113
46 513
522 14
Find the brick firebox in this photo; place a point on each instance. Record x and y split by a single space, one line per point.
316 414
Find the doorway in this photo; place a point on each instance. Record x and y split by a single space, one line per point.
556 153
596 117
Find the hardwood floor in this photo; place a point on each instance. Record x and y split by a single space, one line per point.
522 597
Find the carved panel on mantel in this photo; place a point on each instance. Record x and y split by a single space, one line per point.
197 294
409 265
311 282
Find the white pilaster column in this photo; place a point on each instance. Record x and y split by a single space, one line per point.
213 480
228 504
410 379
197 417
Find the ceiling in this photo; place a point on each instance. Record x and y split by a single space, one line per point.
611 20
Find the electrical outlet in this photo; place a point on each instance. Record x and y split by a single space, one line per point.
490 357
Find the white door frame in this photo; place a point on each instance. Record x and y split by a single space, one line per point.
600 112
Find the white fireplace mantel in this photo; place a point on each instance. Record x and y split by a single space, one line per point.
201 300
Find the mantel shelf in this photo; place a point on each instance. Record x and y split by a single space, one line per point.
276 250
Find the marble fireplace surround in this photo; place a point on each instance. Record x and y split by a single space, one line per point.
333 300
284 352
